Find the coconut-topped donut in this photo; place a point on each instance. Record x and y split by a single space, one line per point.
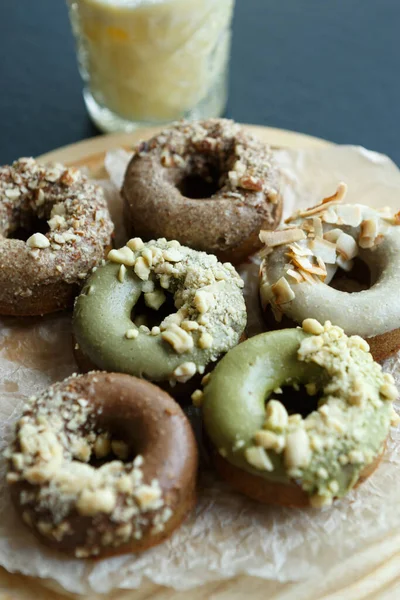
302 259
158 310
102 464
288 449
209 184
70 231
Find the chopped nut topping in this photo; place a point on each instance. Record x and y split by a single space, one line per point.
38 240
141 269
203 301
319 501
122 256
276 416
389 391
197 398
172 255
102 446
206 379
190 325
185 371
297 452
147 256
155 299
179 339
205 340
135 244
131 334
395 418
120 449
121 273
257 457
91 503
270 440
56 222
149 497
312 326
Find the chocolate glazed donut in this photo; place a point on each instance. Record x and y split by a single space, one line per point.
73 476
210 185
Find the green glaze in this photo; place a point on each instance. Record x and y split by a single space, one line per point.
236 396
102 316
240 385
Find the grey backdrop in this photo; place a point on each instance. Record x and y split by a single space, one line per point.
328 68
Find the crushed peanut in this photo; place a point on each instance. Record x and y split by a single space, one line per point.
122 256
185 371
180 340
131 334
38 240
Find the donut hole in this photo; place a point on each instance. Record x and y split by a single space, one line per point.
356 280
297 400
110 446
203 184
144 315
27 226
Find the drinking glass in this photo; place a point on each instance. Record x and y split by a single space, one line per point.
148 62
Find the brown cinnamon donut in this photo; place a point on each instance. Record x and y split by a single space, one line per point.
44 273
209 184
103 464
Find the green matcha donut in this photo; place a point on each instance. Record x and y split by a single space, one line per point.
209 320
323 454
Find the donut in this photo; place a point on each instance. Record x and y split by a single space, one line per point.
70 228
102 464
194 307
209 184
302 259
281 449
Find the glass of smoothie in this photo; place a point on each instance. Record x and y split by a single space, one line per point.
148 62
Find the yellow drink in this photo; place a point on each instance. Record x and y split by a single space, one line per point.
153 60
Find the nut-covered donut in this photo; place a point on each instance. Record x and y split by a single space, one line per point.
103 464
206 313
301 260
209 184
44 273
280 456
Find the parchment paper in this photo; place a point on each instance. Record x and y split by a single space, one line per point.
228 534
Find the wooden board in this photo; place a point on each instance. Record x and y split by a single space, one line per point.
383 583
90 153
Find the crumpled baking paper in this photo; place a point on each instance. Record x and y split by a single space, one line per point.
227 534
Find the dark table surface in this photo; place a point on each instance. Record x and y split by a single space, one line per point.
330 69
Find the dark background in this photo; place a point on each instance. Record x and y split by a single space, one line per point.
327 68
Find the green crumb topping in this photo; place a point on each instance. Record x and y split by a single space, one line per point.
325 451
